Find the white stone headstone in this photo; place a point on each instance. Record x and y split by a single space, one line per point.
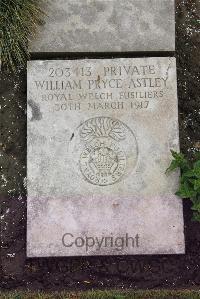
107 26
99 140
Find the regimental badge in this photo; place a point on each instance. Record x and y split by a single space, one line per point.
107 150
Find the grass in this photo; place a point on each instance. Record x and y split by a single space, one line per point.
158 294
18 23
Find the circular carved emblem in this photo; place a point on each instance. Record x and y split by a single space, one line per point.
107 150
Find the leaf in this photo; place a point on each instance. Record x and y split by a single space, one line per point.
174 165
189 182
177 156
196 206
178 162
185 191
197 185
195 21
196 216
197 169
188 174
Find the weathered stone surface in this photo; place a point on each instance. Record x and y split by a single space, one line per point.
99 140
107 26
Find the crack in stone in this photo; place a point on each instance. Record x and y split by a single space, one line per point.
167 72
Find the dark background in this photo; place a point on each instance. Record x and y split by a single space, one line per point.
16 271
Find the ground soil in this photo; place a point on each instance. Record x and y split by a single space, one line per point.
16 271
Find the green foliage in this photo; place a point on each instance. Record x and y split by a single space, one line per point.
18 23
96 294
189 182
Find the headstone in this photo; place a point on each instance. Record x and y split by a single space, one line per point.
107 26
99 139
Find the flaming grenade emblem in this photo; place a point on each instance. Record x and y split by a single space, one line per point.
102 161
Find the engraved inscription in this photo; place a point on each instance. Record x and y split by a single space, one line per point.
112 87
